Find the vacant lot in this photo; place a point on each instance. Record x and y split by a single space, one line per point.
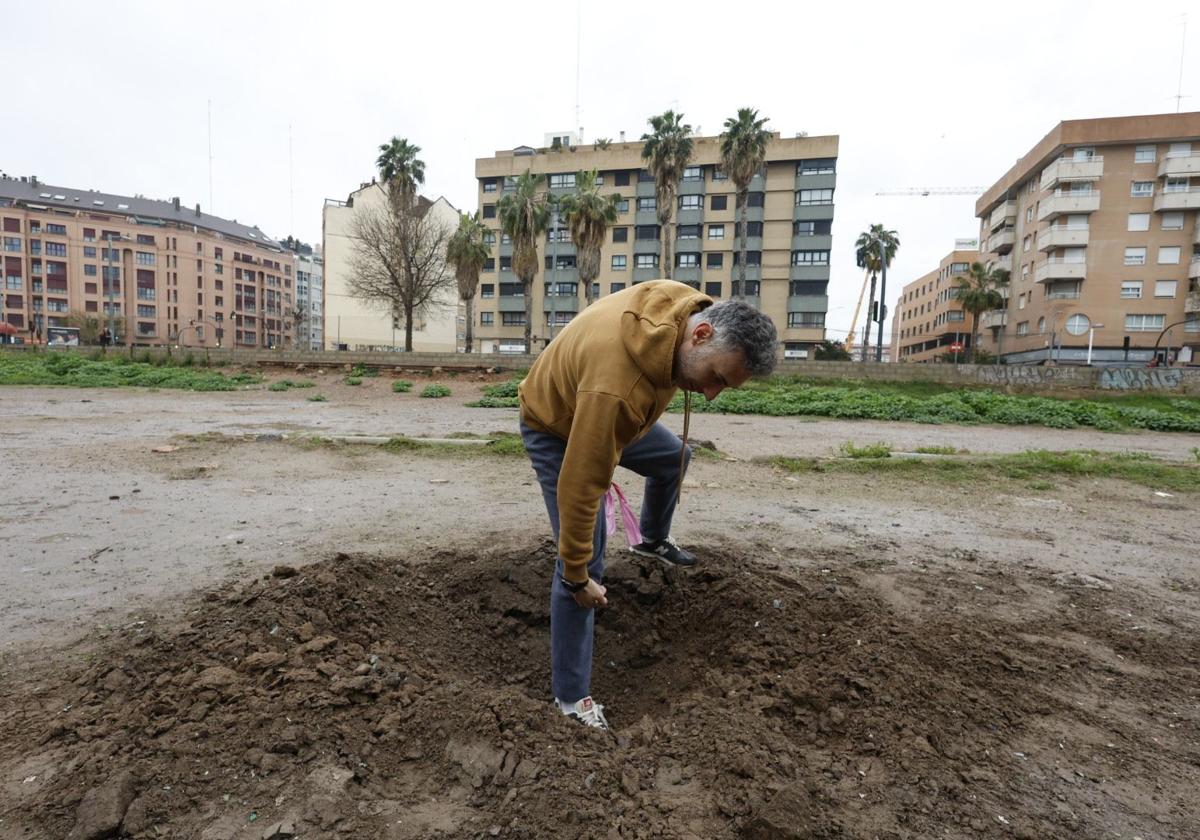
960 646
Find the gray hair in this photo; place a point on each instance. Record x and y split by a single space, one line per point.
738 325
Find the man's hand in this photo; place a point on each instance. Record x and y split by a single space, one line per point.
591 595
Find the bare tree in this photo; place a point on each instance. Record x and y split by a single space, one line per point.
399 261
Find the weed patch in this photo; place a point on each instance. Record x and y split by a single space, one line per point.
80 371
401 386
435 391
871 450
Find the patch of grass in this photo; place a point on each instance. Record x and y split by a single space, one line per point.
495 402
401 386
80 371
504 444
1040 485
937 450
500 395
353 380
924 402
318 398
361 370
870 450
435 390
287 385
1028 467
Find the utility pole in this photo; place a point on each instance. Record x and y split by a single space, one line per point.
881 312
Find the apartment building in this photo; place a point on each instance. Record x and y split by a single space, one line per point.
352 323
929 320
310 298
789 223
155 272
1098 225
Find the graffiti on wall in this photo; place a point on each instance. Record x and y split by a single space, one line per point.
1140 379
1032 376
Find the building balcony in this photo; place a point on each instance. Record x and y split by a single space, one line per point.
511 303
1060 236
1069 169
1191 303
1063 203
993 319
1180 165
800 212
1194 268
647 246
1002 241
808 303
1005 262
1006 212
801 272
695 187
1059 270
1188 199
642 274
645 217
1064 289
644 189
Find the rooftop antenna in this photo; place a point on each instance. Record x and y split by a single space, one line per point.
211 207
291 187
1182 46
578 31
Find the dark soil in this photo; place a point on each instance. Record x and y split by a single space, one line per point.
363 697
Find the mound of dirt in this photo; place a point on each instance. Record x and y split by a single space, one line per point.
377 698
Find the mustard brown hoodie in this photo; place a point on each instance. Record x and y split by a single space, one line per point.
600 385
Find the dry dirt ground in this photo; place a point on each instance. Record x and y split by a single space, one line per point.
259 639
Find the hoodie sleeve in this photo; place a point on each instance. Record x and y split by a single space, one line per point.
603 425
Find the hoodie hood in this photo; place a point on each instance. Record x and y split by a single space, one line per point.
653 326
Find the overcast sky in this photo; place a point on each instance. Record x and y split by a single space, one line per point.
114 96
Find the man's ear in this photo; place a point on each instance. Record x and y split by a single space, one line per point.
702 332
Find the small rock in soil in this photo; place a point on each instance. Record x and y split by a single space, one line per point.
100 813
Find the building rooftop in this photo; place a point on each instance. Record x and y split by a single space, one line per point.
35 195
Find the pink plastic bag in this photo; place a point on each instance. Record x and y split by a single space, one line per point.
633 531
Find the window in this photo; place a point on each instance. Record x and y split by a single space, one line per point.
12 243
1078 324
1165 288
621 178
691 202
1083 153
558 235
144 258
1143 323
755 199
89 270
512 319
487 290
645 261
489 211
687 232
1142 189
89 252
613 288
1135 256
718 175
693 173
643 233
806 319
506 263
512 290
816 166
647 203
1172 221
619 261
714 259
563 261
595 290
1144 154
645 177
560 289
1025 244
806 198
145 311
510 183
1023 328
56 249
1168 255
751 288
752 258
620 234
687 260
489 186
816 227
505 239
489 264
489 238
719 202
959 268
716 231
1138 222
1131 289
1028 215
623 205
713 289
752 229
562 180
1179 150
14 226
810 258
145 239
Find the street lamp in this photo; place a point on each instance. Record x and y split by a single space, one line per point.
109 281
1091 335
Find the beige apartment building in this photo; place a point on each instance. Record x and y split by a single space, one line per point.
929 319
158 272
789 236
1098 225
352 323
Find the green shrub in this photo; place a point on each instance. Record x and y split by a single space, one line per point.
870 450
281 385
318 398
435 390
360 370
401 386
353 380
935 450
77 370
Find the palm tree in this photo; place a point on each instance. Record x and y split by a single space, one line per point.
588 215
400 170
979 291
743 154
874 250
467 251
524 215
667 151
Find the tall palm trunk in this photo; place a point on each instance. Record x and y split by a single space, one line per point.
867 329
527 285
743 198
974 338
469 337
666 205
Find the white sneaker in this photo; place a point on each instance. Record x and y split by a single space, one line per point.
586 711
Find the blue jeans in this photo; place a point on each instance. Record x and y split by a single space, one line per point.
654 456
